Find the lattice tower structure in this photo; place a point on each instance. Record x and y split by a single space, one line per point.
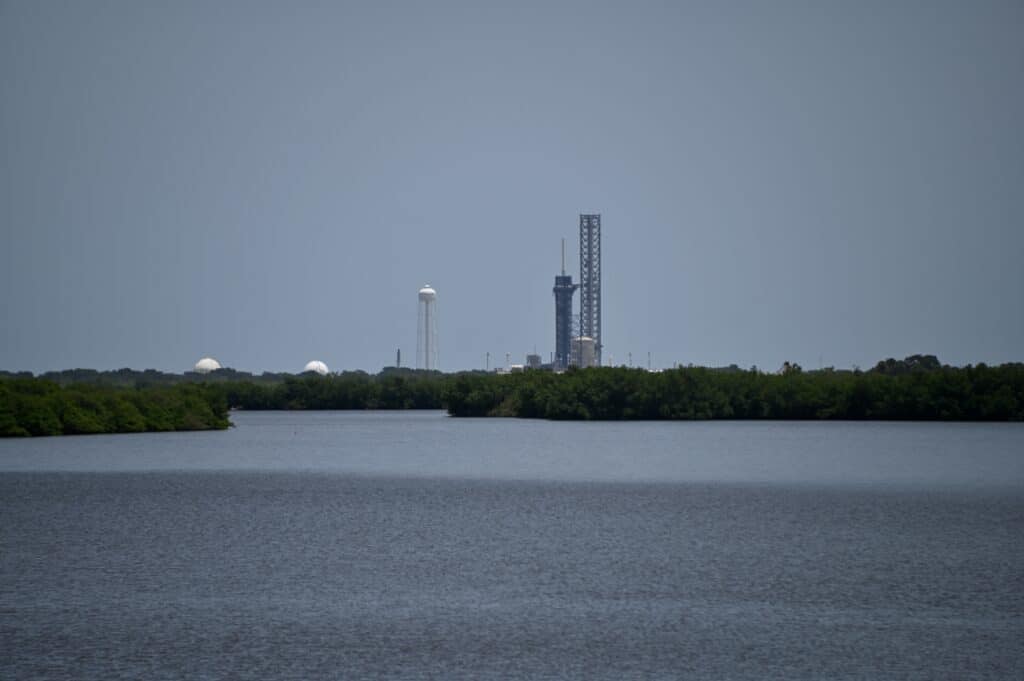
590 281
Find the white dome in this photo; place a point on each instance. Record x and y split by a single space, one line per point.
427 293
317 366
206 365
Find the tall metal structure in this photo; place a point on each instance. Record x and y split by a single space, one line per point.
590 281
564 288
426 330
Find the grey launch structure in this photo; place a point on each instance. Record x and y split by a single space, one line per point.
564 288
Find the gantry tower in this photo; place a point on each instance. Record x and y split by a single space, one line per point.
590 281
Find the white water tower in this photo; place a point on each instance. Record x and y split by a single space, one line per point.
426 330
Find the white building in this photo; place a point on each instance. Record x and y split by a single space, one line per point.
583 353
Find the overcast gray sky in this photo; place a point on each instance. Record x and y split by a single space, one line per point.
271 182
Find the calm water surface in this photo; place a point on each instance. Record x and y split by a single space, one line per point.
410 545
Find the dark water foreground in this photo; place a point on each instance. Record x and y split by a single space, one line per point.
292 574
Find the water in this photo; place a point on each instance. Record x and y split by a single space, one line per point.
398 545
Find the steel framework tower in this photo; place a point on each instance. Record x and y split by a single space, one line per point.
590 281
426 330
564 288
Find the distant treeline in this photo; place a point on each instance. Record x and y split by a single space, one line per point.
81 401
36 406
915 388
132 378
390 389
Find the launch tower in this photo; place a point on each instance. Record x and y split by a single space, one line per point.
590 281
564 288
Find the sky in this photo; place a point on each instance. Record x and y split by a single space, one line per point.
268 183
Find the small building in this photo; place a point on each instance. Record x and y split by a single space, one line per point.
583 352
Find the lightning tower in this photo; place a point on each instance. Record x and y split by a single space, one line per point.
590 281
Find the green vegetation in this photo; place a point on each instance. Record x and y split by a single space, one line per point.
81 401
30 406
915 388
131 378
390 389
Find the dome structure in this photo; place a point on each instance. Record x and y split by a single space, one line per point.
206 365
316 366
427 293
